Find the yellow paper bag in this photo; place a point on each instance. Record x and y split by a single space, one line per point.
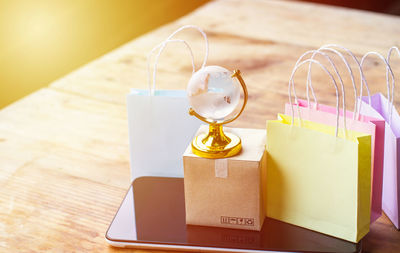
317 180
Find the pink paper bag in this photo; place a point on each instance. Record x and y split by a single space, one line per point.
379 108
373 126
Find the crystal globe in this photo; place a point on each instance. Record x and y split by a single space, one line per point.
213 93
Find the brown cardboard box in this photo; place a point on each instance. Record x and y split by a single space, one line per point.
227 192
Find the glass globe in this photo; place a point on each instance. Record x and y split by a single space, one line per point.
213 93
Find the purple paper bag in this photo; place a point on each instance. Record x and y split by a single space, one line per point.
380 108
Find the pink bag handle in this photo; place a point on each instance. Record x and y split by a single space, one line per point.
314 52
388 69
349 69
291 82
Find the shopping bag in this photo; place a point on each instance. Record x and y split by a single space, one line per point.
317 176
379 106
354 121
160 127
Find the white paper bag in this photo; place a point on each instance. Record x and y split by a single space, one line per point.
160 127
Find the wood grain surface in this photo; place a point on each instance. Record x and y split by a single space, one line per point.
64 154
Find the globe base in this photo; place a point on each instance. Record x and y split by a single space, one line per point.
216 144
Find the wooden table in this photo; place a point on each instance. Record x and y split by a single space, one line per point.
64 164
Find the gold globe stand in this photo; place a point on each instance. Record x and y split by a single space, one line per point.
216 143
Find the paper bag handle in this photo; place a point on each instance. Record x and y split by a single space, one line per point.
388 69
314 52
161 46
328 47
202 33
362 77
387 74
291 82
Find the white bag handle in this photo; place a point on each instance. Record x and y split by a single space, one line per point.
388 69
349 69
314 52
161 48
202 33
291 82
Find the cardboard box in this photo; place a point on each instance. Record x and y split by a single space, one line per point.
227 192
